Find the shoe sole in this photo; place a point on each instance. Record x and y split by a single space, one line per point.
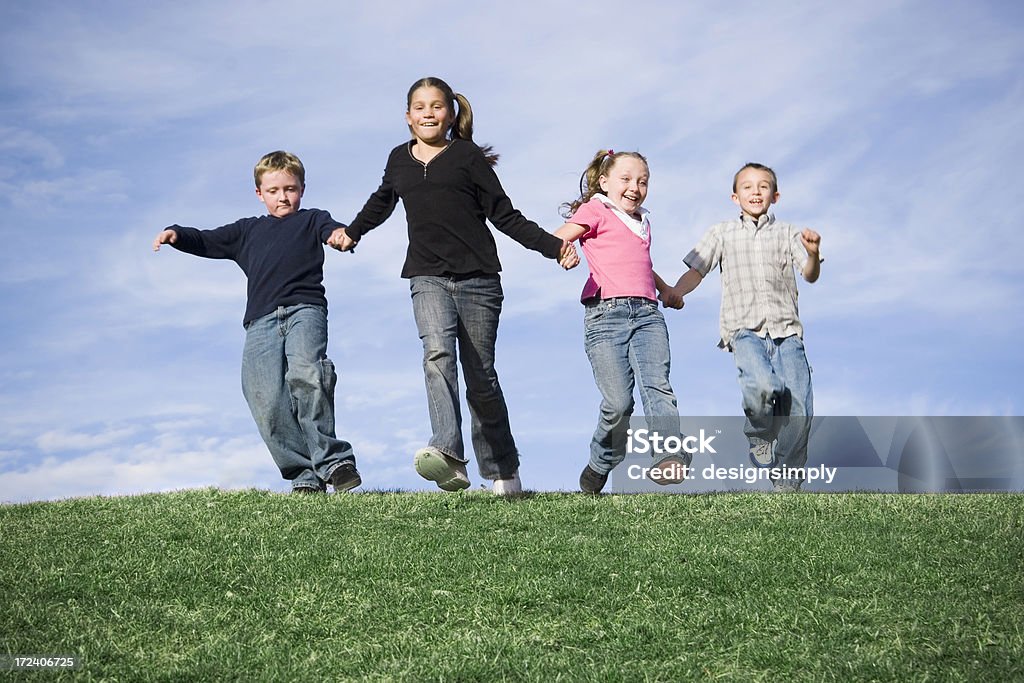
661 479
436 467
348 485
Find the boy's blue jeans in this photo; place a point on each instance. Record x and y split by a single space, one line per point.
463 311
777 399
288 382
626 340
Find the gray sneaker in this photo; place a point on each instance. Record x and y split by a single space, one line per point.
762 453
448 473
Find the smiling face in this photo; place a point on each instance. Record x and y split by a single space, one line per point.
281 192
429 117
625 183
755 192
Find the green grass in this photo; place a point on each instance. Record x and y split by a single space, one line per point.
211 585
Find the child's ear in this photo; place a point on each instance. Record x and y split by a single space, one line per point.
735 199
775 198
602 182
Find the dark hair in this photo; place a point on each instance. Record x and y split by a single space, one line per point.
590 184
758 167
462 124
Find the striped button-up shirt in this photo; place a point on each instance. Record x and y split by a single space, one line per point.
758 284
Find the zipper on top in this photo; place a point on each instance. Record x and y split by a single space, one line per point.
427 163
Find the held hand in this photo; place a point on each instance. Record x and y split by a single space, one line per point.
569 258
165 237
671 298
340 240
811 241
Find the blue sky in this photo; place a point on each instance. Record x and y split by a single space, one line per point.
894 127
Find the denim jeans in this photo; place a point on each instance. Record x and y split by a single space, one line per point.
626 340
288 382
777 399
463 311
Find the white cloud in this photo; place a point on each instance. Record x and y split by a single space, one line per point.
147 467
64 440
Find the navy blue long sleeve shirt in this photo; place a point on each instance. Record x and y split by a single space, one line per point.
446 203
282 258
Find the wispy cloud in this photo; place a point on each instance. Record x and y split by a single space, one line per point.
64 440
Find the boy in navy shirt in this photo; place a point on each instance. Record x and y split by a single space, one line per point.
287 378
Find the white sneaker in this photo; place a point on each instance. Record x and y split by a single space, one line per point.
762 453
508 487
449 474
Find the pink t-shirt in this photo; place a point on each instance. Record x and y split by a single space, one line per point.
619 259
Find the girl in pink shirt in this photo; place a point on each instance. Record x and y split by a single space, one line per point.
624 331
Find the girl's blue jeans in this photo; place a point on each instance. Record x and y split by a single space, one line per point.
288 382
457 319
626 340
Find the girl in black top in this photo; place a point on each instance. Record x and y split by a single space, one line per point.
449 188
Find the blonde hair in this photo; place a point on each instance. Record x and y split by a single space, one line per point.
280 161
462 123
590 181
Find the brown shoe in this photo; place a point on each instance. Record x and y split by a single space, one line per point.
592 481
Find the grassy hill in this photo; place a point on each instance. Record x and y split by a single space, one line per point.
211 585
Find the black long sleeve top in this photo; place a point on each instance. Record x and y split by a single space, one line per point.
446 202
282 258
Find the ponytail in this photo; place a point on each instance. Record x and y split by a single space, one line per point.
462 126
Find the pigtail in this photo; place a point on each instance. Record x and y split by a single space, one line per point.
463 128
590 181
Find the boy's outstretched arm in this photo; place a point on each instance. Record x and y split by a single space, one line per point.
165 237
812 243
670 297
